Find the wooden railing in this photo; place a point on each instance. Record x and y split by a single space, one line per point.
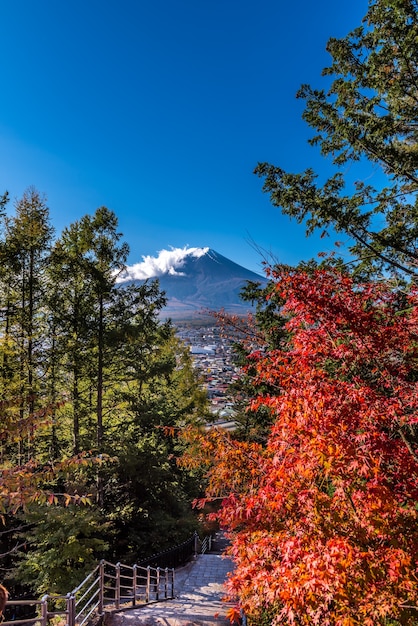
108 587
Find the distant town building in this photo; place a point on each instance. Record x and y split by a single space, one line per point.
212 356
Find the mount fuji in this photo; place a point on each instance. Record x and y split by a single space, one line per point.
195 280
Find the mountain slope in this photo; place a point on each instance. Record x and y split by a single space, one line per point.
204 280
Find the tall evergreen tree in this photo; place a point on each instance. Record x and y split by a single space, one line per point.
72 312
147 494
112 374
26 247
368 115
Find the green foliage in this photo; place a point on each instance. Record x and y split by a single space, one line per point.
367 116
93 389
150 498
148 495
63 546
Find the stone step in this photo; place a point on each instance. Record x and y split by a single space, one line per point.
199 589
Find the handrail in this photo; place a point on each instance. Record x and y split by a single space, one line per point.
110 587
206 544
109 591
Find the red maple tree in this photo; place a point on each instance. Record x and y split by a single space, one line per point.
323 518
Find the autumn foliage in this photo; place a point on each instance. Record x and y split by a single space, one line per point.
323 518
25 480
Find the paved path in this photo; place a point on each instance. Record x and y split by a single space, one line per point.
199 591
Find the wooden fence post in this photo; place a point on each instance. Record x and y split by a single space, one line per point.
148 584
70 602
117 586
44 610
100 606
166 583
134 583
157 586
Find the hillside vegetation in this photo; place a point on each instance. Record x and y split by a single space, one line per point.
92 388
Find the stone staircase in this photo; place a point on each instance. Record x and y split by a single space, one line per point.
199 589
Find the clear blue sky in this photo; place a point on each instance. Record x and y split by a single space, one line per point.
160 110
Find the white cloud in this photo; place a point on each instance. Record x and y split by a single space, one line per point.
167 262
